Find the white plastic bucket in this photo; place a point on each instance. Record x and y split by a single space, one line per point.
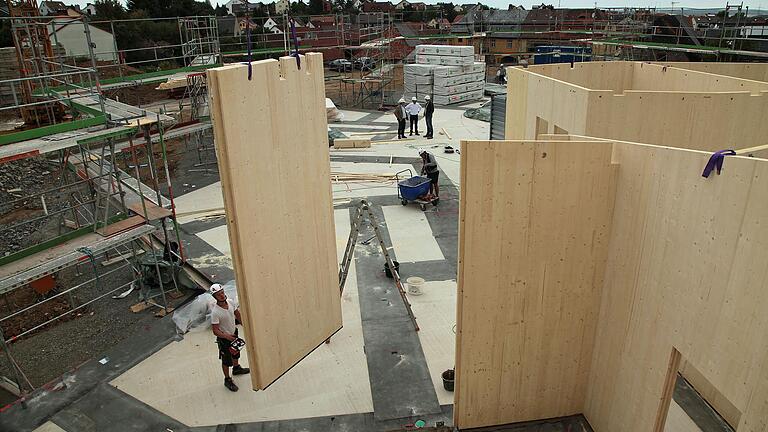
414 285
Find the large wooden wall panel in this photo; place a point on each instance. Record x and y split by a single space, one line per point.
272 147
614 76
750 71
686 271
534 226
700 121
559 103
653 77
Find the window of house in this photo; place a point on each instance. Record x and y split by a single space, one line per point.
510 44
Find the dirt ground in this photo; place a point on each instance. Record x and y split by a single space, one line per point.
55 349
64 345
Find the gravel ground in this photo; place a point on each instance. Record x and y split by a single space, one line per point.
52 351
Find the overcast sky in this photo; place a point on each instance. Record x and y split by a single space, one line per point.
570 3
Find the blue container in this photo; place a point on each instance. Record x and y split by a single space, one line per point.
561 54
414 187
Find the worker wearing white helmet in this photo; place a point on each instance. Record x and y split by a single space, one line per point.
224 317
429 111
414 109
401 114
429 168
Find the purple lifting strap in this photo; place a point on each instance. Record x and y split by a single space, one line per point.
716 161
248 33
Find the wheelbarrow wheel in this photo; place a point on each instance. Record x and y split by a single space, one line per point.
404 202
423 207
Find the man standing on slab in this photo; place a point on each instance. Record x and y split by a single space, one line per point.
401 114
429 109
224 315
413 110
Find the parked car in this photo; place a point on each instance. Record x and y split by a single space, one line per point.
364 63
340 65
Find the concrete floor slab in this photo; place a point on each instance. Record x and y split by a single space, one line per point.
679 421
435 310
198 202
411 235
184 380
218 238
361 189
49 426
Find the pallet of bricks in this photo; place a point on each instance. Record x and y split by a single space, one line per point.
448 73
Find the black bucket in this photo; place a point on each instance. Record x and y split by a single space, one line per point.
448 379
388 271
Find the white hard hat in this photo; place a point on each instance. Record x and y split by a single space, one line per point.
401 100
427 97
422 151
413 98
215 288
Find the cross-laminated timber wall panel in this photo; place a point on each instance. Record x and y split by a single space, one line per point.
685 273
534 225
706 120
279 209
686 270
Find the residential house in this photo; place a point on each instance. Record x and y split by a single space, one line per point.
69 35
282 6
402 5
89 9
419 6
74 11
53 8
271 26
439 23
245 7
375 6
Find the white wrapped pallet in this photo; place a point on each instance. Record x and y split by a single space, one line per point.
458 98
444 60
460 79
418 69
446 50
419 79
459 88
451 71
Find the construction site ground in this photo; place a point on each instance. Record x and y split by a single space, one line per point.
376 374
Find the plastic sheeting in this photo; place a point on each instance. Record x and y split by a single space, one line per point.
197 314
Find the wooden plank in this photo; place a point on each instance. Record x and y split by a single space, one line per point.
279 215
351 143
153 211
686 271
123 225
533 239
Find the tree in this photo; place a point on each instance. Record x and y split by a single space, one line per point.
316 7
221 11
109 9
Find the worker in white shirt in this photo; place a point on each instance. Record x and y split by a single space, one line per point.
414 109
224 316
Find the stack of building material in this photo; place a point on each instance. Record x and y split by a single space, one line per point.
448 73
445 55
454 84
418 80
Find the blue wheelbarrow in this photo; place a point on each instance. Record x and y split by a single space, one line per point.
413 189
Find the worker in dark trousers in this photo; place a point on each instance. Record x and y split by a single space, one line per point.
414 109
224 316
430 170
429 109
401 114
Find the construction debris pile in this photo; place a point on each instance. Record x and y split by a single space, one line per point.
447 73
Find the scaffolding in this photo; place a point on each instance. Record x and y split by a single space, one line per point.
107 214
